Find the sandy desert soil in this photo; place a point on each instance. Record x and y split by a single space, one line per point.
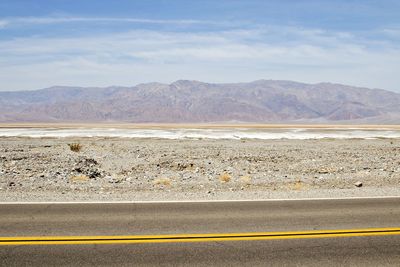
45 169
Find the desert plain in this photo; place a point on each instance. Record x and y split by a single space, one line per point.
156 169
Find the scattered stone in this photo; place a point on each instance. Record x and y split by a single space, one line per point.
358 184
214 167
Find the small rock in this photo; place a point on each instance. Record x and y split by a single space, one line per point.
358 184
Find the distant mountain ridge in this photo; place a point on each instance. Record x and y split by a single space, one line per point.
183 101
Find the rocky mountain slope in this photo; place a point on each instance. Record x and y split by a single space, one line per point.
193 101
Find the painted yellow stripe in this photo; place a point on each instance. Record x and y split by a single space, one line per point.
80 240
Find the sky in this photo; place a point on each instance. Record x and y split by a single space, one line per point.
125 42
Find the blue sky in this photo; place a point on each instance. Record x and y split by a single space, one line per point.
120 42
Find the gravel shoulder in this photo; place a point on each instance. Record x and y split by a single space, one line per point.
117 169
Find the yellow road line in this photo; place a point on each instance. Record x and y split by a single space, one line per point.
80 240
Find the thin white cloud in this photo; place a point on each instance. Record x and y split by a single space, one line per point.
393 32
3 23
58 20
208 46
132 57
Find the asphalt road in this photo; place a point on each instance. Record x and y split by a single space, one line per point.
315 220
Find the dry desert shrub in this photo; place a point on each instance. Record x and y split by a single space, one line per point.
76 147
163 181
245 180
79 178
298 185
224 178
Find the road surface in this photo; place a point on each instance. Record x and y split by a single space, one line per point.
357 232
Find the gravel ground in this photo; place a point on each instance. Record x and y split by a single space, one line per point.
45 169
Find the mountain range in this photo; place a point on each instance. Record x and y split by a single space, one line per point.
184 101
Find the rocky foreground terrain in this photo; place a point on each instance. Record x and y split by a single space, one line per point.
156 169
